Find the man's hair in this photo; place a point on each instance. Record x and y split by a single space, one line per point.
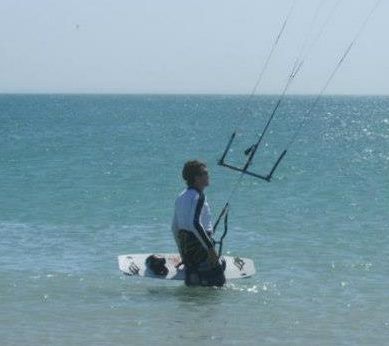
192 169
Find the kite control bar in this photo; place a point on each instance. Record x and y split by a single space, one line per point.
250 151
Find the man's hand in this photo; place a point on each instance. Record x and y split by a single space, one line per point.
212 258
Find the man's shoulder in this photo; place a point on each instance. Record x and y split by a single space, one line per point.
188 194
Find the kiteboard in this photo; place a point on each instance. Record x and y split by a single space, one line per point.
135 265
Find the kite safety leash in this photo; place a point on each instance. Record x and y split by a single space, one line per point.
224 213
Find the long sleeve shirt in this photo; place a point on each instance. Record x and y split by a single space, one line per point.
192 214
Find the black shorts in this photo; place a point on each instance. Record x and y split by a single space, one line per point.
195 259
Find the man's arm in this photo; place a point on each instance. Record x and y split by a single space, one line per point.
201 234
207 219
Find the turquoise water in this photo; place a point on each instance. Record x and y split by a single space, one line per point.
85 178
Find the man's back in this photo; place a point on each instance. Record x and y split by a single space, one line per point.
192 214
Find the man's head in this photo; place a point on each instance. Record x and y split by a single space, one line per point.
195 173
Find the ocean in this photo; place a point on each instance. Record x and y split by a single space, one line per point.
84 178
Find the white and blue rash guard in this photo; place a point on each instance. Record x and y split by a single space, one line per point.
192 214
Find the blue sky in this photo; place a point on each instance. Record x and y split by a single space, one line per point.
176 46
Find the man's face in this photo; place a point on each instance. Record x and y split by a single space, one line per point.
203 178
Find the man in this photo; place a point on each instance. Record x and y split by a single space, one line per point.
192 229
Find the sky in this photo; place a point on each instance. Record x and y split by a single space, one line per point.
189 47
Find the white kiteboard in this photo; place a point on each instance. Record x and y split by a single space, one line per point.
135 265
